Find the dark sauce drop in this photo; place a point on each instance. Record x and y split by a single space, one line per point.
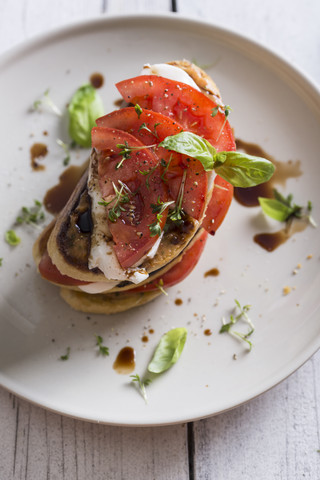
151 331
248 197
214 272
178 301
118 103
145 339
270 241
283 170
125 362
207 332
97 80
57 196
37 151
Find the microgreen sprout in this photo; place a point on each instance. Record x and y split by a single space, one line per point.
138 109
31 216
158 208
241 313
147 174
102 349
159 285
126 150
143 126
66 356
177 213
66 149
121 197
166 165
142 384
46 100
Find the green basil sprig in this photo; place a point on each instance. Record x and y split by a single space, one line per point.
85 107
283 209
239 169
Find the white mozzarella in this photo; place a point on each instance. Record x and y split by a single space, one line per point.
169 71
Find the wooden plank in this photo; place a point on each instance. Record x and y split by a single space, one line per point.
39 444
284 26
24 19
138 6
274 436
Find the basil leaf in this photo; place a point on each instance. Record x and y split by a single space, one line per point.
275 209
85 107
168 351
192 145
242 170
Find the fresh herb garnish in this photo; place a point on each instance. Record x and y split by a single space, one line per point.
147 174
177 213
166 166
141 385
138 109
168 350
126 150
46 100
66 356
1 260
226 109
121 197
66 149
159 285
239 169
239 314
283 209
167 353
158 208
102 349
84 108
12 238
143 126
31 216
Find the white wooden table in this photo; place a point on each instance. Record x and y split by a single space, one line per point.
275 436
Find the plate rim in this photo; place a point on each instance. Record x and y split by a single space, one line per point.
304 80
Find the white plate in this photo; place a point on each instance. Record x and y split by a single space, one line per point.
274 106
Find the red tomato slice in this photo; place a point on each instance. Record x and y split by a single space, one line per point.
184 104
218 206
179 271
50 272
130 231
152 128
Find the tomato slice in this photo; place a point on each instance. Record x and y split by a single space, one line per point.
218 206
152 128
128 213
179 271
184 104
50 272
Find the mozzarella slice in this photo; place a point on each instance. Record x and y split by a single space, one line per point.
169 71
